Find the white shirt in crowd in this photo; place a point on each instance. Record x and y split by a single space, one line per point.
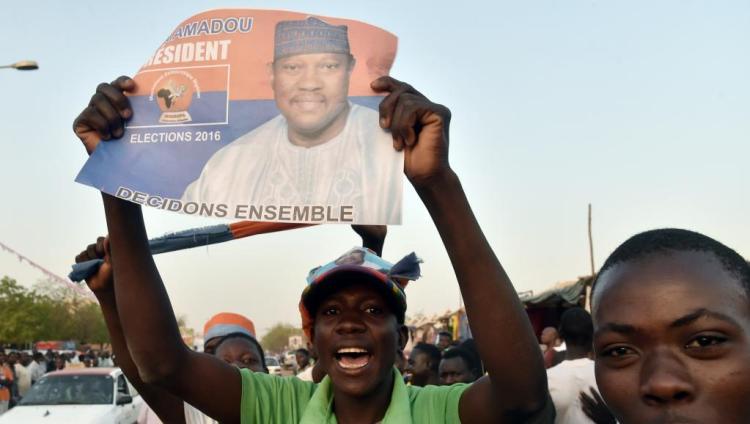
194 416
148 416
358 168
23 379
566 381
105 363
37 370
306 374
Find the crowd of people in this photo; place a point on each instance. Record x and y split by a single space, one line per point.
667 339
19 370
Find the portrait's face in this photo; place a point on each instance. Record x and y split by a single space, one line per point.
455 370
311 92
357 338
240 352
672 340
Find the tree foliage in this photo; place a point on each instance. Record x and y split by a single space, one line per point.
48 312
277 338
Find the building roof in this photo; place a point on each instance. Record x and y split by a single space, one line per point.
567 293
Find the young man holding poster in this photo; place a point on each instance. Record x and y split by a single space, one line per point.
356 326
322 150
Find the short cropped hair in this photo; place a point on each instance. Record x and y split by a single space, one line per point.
577 328
432 351
303 351
472 362
667 240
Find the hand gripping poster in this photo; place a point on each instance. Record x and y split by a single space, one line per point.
259 115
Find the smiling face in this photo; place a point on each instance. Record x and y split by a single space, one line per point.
242 353
357 336
311 92
672 340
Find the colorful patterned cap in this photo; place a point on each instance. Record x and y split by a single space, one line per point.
226 323
311 35
393 277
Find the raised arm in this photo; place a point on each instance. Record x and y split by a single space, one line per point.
516 390
168 407
373 236
146 316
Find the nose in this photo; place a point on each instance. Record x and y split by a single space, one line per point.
350 322
309 79
665 381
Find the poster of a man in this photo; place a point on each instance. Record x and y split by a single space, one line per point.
321 149
299 140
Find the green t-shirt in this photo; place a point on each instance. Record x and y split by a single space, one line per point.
287 400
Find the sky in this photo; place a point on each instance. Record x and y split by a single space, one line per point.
640 108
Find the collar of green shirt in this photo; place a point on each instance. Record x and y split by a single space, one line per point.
320 407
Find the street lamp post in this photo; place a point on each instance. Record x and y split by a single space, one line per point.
23 65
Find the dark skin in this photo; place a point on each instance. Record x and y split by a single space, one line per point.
168 407
237 351
444 342
682 360
422 370
594 407
358 316
303 360
420 129
455 370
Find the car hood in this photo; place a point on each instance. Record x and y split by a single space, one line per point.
49 414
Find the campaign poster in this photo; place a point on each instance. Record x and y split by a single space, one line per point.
259 115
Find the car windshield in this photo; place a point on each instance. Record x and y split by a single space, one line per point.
70 390
272 362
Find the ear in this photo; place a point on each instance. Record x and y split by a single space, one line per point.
403 337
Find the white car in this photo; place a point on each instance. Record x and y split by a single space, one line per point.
274 368
82 395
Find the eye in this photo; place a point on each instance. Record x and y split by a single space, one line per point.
330 310
374 310
705 341
330 66
617 352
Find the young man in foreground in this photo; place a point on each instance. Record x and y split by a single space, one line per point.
671 312
356 329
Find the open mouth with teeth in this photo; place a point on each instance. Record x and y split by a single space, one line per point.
352 358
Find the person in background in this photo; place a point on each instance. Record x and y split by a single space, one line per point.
423 364
551 347
6 383
38 367
576 373
458 366
445 340
105 360
23 374
305 369
228 336
60 363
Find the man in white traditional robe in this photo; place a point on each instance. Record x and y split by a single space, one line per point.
321 150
